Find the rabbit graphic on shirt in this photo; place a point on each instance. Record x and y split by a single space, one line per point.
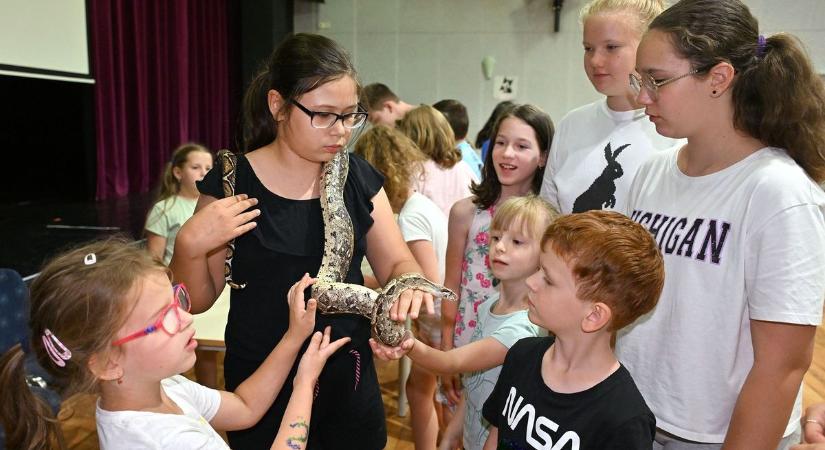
601 194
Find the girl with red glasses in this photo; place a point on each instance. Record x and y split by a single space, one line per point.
127 335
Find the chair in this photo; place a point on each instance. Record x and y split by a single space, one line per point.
14 329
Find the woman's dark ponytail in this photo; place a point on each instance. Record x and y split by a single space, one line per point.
300 64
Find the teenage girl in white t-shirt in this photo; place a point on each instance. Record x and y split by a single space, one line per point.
599 146
106 319
738 216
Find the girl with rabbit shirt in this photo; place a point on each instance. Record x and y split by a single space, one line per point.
599 146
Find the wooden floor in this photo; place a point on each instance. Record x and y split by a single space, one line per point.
398 428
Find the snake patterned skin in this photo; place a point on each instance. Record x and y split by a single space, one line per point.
336 297
228 162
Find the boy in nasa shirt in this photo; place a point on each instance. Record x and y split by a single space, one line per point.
599 271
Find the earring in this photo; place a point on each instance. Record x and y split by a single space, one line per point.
120 380
714 92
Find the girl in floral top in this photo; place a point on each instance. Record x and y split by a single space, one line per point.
515 167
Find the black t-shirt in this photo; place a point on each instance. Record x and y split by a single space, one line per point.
529 415
287 242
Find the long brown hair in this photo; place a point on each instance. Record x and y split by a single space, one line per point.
394 155
431 132
300 64
83 301
778 97
486 193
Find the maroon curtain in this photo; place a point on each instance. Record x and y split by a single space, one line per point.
163 75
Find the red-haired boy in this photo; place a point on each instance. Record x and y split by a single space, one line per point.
599 271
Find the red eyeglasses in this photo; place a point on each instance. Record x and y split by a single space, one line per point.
169 318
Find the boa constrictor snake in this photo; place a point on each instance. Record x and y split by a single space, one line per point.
333 295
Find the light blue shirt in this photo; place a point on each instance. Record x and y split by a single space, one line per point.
469 155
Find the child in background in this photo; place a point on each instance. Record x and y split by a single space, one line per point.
599 146
424 228
383 105
446 178
126 334
483 136
515 237
456 114
599 272
177 198
515 167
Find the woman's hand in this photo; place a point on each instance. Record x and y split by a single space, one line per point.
301 315
319 350
409 302
216 224
813 425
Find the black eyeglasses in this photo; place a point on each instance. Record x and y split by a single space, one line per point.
323 119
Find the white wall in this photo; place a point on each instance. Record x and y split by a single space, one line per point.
428 50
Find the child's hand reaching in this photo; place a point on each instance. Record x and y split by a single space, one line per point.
319 350
387 353
301 316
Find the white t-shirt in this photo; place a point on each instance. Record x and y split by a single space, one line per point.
745 243
594 157
507 329
126 430
421 219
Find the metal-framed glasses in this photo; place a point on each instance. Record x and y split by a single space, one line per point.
648 82
168 319
324 119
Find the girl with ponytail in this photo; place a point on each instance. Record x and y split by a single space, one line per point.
299 111
738 215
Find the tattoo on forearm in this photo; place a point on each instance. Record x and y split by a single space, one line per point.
302 428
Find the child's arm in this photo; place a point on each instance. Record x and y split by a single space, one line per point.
245 407
156 245
294 429
492 439
461 215
479 355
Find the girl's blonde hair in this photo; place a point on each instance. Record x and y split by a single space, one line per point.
169 185
644 10
431 132
394 155
530 213
83 300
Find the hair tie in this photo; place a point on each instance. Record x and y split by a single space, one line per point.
761 43
58 352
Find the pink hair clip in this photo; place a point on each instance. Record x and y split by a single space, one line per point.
56 350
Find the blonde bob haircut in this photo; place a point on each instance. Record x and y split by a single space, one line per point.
530 213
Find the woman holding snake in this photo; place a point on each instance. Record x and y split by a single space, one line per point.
299 112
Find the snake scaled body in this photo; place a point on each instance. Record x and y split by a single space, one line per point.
336 297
